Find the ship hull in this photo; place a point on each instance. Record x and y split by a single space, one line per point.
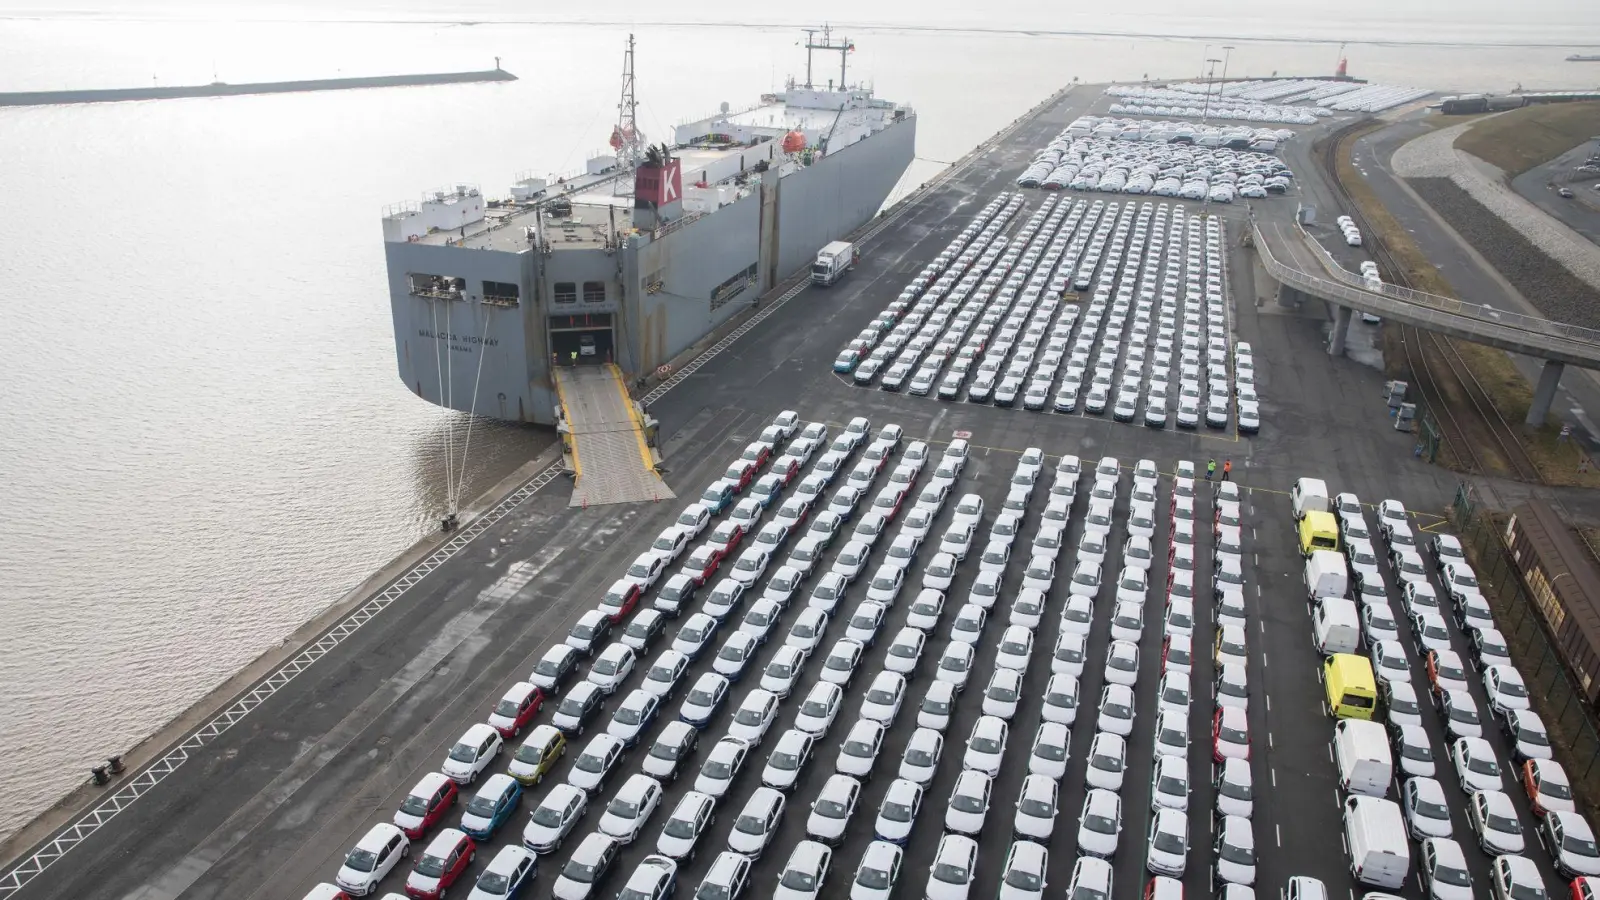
665 291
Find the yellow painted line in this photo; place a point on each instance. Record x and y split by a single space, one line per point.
638 423
577 467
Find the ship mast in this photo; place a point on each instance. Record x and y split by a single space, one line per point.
626 138
841 47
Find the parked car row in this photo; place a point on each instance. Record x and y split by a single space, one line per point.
1137 100
1118 160
1323 96
1399 756
985 320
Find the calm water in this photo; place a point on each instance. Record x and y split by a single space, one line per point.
204 439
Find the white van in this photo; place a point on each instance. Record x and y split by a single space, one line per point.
1327 575
1380 854
1335 628
1361 753
1309 495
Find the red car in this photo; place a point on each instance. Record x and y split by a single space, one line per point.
1230 734
441 865
516 709
426 805
786 468
888 502
739 475
757 454
726 536
620 600
702 563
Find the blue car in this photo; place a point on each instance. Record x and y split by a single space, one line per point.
766 489
491 806
507 875
846 361
703 701
695 635
717 497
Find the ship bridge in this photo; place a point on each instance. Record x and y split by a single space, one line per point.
607 438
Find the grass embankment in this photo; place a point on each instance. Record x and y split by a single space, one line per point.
1518 140
1510 392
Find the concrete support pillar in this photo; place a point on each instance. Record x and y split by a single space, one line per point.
1545 393
1341 328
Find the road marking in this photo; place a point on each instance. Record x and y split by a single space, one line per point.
1269 701
1274 771
1270 745
1279 832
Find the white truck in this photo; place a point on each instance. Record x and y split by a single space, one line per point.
833 261
1327 575
1375 833
1361 753
1335 627
1309 495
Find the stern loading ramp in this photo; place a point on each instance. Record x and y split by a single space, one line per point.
1300 265
610 456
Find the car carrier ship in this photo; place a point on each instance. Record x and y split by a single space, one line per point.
629 263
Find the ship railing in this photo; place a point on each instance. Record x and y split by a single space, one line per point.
438 293
675 224
498 300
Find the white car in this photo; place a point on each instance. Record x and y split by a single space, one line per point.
1116 710
819 708
1027 608
957 540
839 667
625 816
986 745
1091 878
902 553
378 852
938 705
1169 783
1061 699
1036 809
788 759
985 590
996 556
851 560
1172 694
897 813
1127 622
955 665
634 714
860 748
1505 689
646 569
905 650
1051 750
954 868
832 809
783 671
940 572
754 716
1092 548
1494 821
782 585
1100 823
735 654
1040 573
1235 851
1570 841
1068 656
865 621
1234 788
694 519
1108 761
884 697
1167 849
805 873
1475 765
1077 615
472 753
967 626
920 762
916 524
757 823
722 765
1085 580
1122 663
925 610
694 813
760 619
968 803
612 667
1016 647
1023 876
1003 693
969 510
807 630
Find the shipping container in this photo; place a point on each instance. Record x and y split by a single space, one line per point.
1564 585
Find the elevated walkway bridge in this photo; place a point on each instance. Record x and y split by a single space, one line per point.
606 438
1302 266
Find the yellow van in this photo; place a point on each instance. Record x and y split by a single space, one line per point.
1318 531
1352 691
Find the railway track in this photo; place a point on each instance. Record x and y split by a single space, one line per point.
1482 441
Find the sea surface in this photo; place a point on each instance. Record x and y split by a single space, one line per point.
203 439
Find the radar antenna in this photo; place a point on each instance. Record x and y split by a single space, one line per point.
626 138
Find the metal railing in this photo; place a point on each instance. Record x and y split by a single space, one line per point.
1439 313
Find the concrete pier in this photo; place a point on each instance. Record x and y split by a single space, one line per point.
221 89
1341 330
1545 392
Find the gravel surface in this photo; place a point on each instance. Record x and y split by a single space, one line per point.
1548 285
1434 156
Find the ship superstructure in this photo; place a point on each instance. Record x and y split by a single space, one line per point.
631 264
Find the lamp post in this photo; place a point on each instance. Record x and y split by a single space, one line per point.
1205 111
1227 53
